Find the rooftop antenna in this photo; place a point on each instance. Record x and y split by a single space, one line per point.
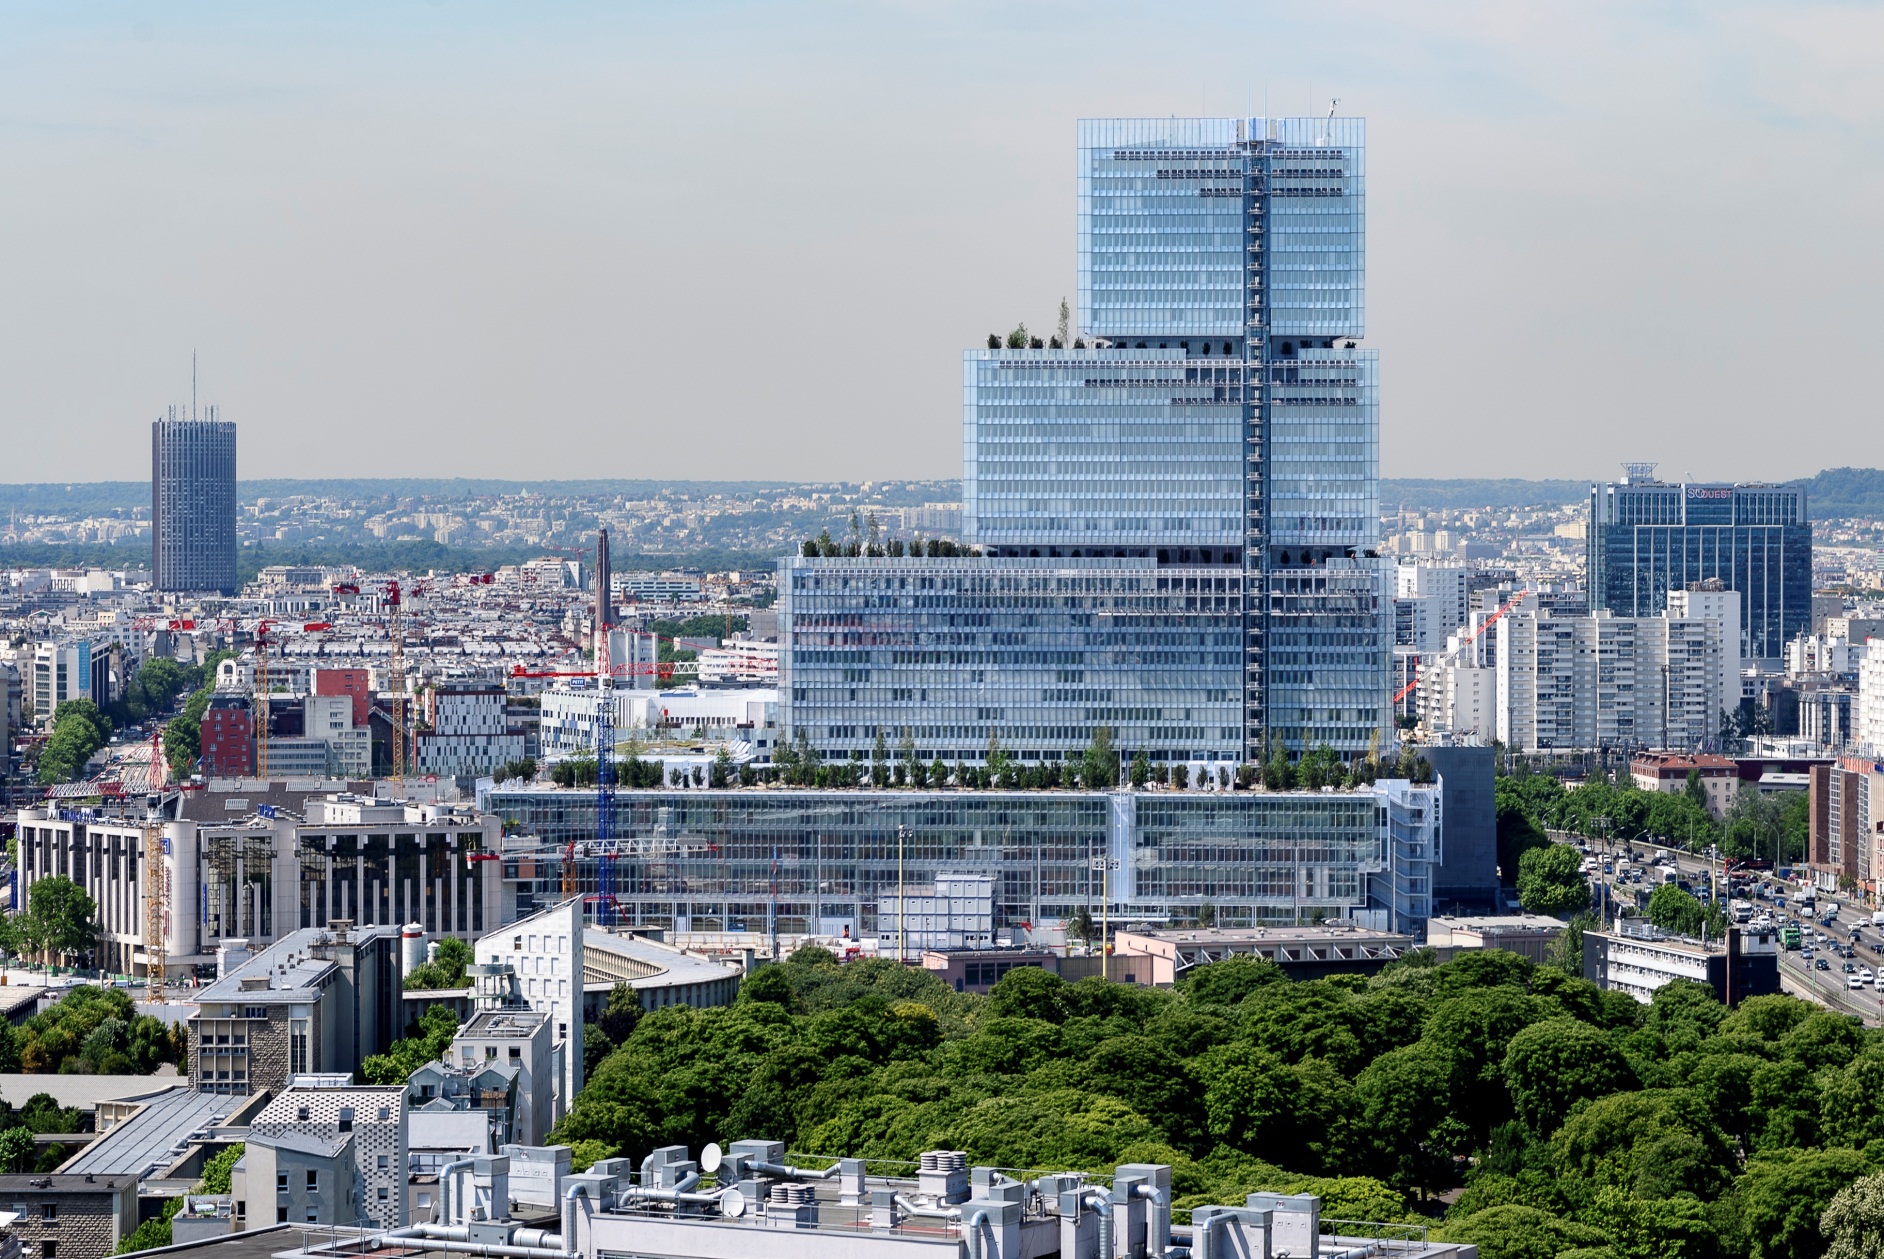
192 384
1332 102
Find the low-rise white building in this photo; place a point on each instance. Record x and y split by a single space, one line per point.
569 717
955 912
742 661
544 954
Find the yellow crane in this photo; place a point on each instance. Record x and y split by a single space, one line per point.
156 880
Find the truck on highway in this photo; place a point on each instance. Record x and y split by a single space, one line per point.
1742 910
1789 936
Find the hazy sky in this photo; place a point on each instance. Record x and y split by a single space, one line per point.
737 240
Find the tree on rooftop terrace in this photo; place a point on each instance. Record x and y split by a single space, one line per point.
446 969
426 1040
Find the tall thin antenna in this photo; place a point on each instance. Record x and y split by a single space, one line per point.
192 384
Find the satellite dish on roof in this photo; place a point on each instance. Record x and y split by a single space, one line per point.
732 1204
710 1157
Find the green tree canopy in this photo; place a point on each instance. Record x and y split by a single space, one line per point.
61 917
1550 880
1550 1066
1853 1224
446 969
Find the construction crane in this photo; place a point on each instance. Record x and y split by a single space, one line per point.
604 764
397 683
263 708
156 883
1489 621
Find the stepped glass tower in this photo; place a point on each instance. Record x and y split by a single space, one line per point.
1178 513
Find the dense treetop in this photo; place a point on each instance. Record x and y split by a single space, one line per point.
1575 1120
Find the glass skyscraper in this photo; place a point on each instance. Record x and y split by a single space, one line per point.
193 504
1648 537
1214 429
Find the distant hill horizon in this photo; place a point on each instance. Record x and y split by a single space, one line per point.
1832 493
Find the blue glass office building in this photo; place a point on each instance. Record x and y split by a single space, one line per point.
1648 537
1215 431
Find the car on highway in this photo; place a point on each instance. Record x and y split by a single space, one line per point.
1866 972
1819 963
1853 983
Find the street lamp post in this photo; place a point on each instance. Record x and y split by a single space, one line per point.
902 922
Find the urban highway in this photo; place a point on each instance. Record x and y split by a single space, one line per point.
1799 975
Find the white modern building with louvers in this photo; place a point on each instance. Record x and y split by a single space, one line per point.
469 732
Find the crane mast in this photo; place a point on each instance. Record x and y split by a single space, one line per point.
262 706
156 880
604 729
397 684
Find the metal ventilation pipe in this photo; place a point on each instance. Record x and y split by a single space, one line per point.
446 1199
909 1207
579 1189
453 1239
1200 1236
677 1194
1101 1204
796 1173
971 1230
1158 1227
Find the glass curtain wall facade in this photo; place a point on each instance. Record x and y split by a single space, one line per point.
1249 236
817 861
1647 538
1077 452
193 505
1216 417
1036 652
